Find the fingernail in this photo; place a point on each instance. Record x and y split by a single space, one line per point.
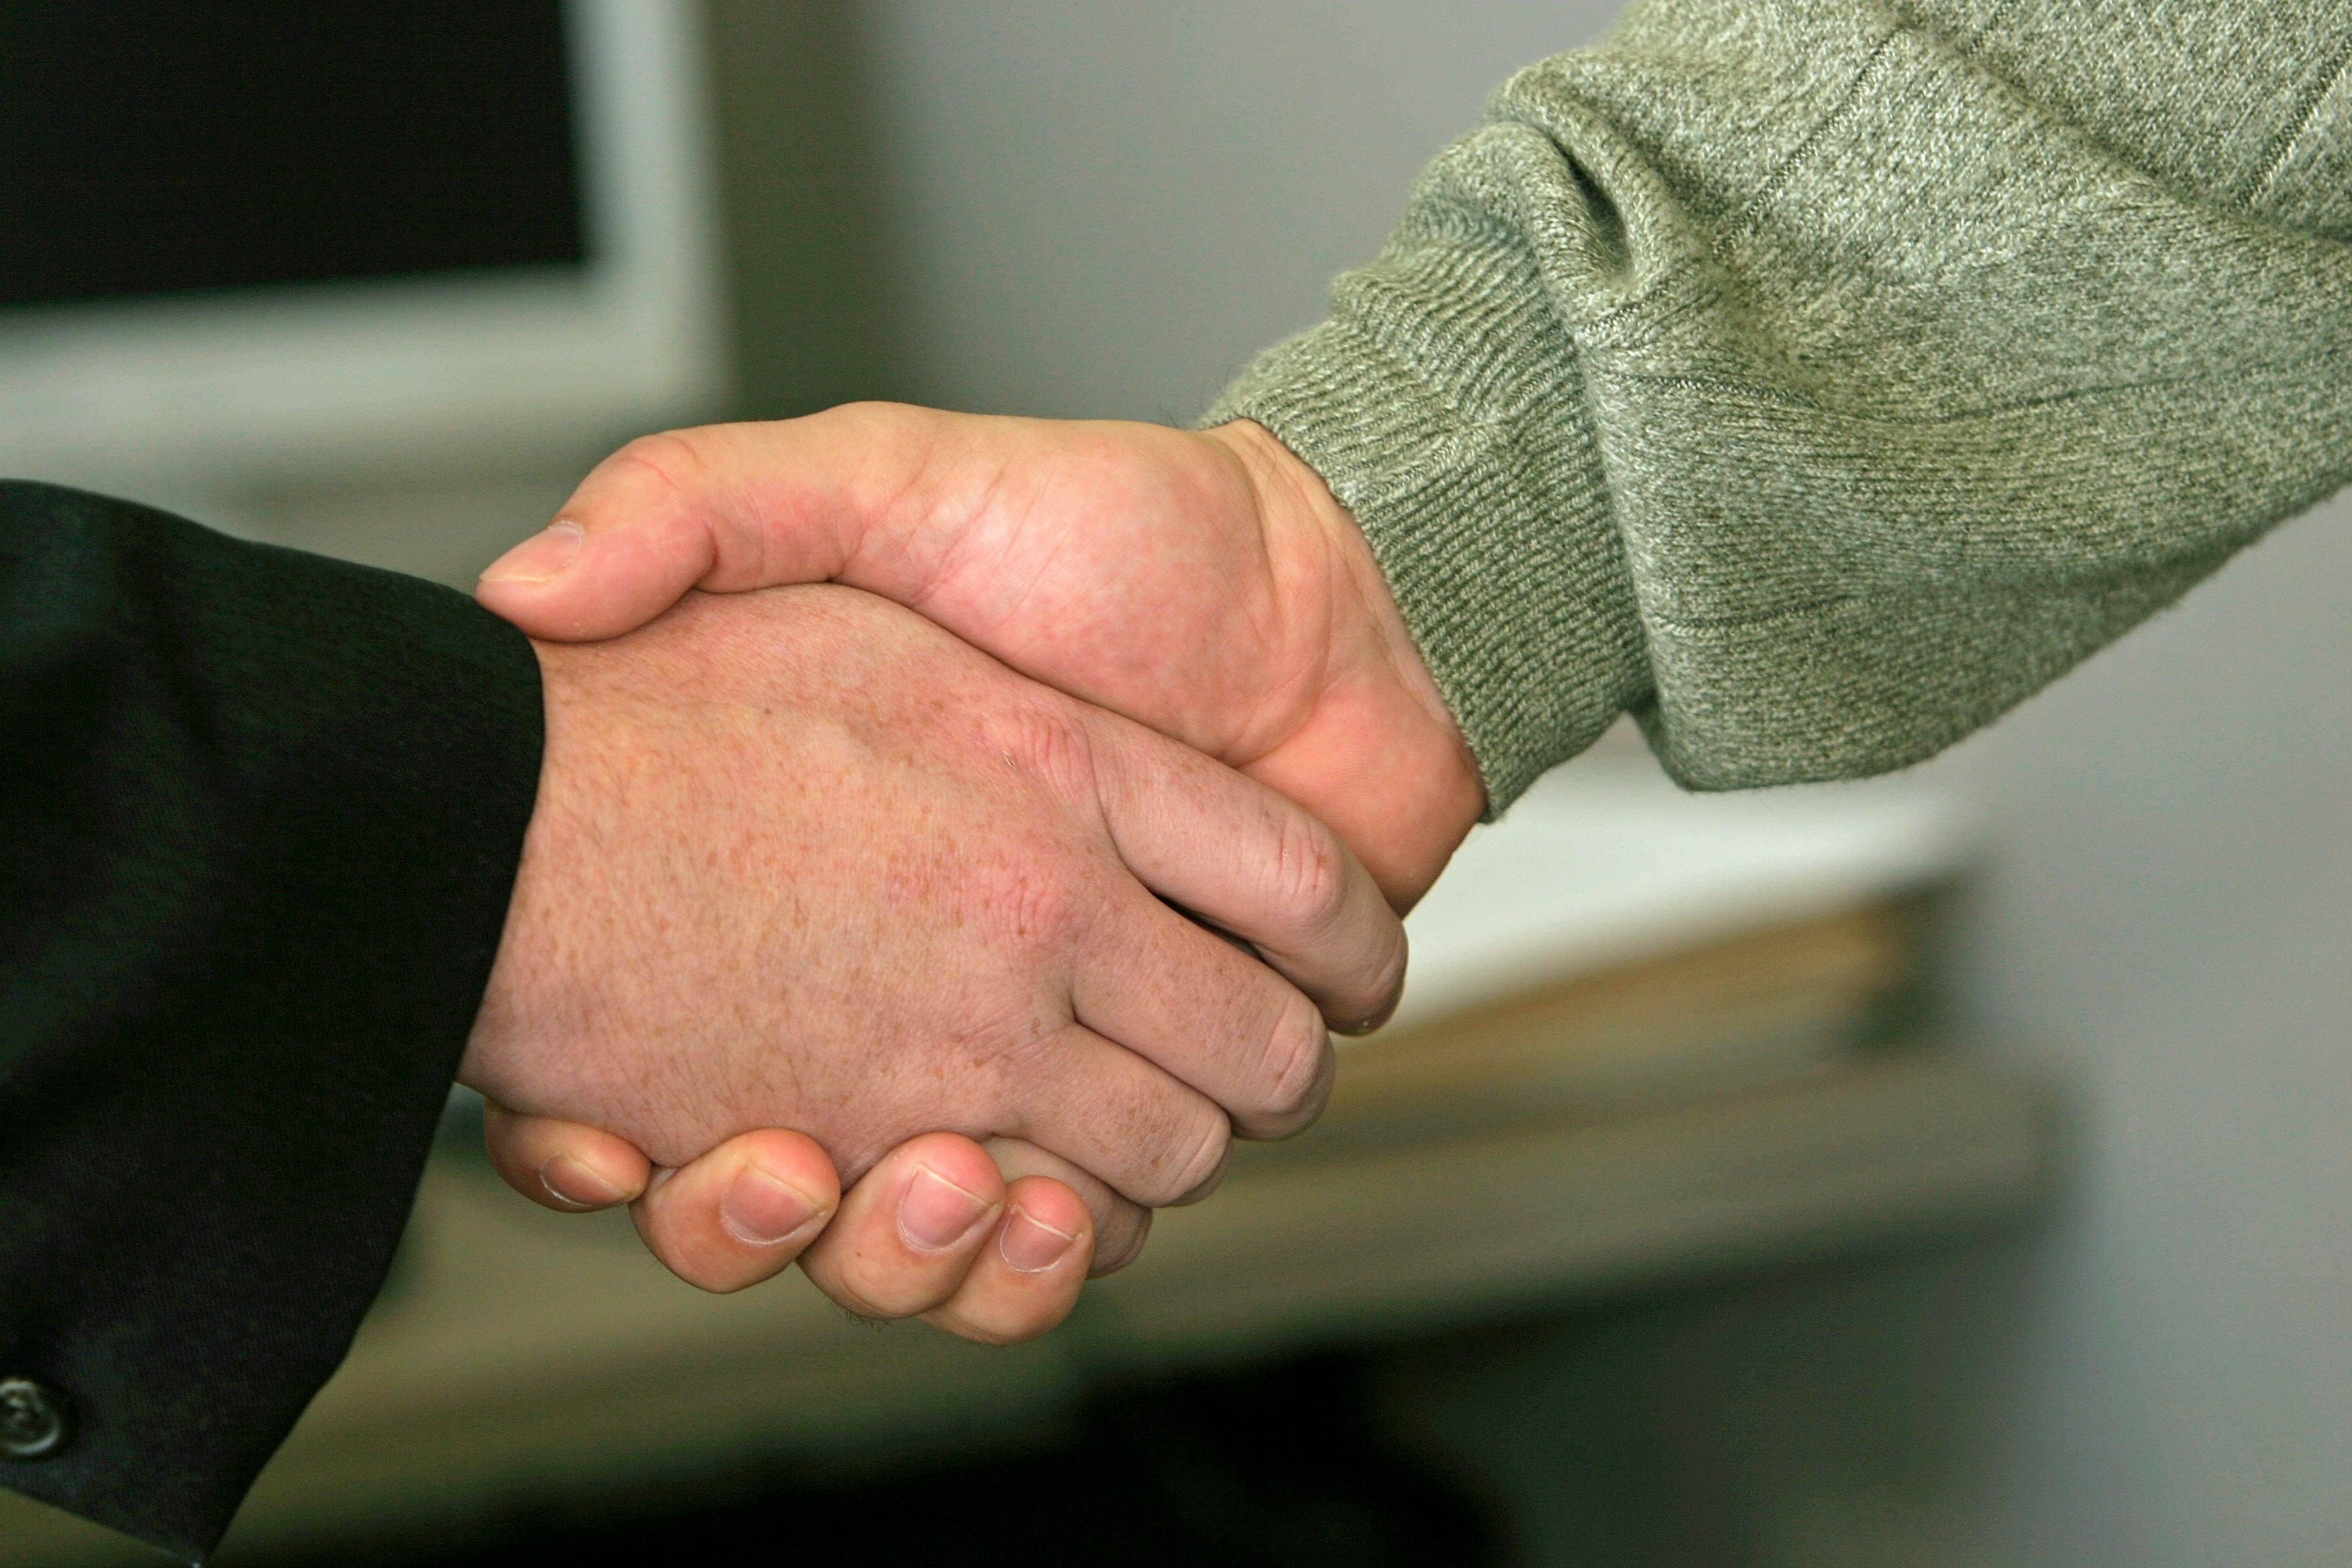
761 1209
540 556
1032 1246
577 1185
936 1213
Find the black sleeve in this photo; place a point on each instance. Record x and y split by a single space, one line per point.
259 818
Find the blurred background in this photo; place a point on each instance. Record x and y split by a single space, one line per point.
1949 1171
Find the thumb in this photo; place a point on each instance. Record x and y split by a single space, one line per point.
724 507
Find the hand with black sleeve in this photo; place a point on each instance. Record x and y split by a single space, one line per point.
285 844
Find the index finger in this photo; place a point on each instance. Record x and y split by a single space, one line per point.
1243 859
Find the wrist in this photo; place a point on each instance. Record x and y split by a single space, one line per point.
505 1055
1380 758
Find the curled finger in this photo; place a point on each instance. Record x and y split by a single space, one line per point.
563 1165
740 1213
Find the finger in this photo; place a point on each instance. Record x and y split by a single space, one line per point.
1028 1277
740 1213
564 1165
1248 861
1155 1140
908 1231
724 507
1119 1227
1207 1012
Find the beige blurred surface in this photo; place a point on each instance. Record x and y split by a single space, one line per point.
1651 1044
529 1351
1706 1113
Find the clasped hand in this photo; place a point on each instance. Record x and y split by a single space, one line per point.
919 895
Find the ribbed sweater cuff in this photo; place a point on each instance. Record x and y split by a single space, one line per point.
1463 449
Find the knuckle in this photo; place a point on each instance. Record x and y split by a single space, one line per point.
1195 1163
1005 1074
1297 1059
874 419
1028 909
1042 741
673 462
1365 1000
1388 983
1312 868
1120 1243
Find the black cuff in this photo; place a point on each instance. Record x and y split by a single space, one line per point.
259 818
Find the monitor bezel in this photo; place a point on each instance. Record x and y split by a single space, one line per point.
304 382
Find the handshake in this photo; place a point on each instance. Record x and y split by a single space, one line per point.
951 833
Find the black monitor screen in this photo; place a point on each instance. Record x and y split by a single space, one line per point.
173 146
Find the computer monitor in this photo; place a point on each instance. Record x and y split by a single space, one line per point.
279 241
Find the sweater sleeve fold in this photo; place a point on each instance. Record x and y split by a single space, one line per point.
1816 379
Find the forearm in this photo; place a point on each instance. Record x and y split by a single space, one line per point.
259 820
1816 386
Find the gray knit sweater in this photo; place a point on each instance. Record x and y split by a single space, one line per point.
1816 379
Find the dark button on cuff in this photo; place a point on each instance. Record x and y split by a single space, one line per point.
34 1420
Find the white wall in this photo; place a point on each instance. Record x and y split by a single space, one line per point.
2170 919
1102 207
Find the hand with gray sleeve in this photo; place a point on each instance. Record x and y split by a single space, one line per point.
1813 380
